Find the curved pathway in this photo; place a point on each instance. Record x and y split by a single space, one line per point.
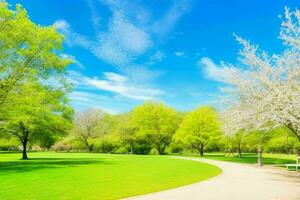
237 182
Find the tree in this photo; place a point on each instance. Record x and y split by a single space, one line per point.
237 142
263 92
27 52
157 122
90 124
259 139
33 109
128 131
198 128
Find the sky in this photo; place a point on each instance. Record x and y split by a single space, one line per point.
129 51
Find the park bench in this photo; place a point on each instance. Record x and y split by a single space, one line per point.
297 165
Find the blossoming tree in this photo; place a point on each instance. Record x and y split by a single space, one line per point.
264 91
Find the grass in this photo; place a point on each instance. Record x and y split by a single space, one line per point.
67 176
251 158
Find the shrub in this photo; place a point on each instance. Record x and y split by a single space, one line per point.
9 144
297 148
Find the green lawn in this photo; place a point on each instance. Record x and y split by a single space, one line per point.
52 176
251 158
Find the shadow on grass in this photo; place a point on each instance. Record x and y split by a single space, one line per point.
10 152
46 163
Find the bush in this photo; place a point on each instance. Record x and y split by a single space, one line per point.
142 146
297 148
61 146
122 150
153 151
281 145
176 147
9 144
105 145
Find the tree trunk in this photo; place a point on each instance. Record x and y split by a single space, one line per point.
260 157
160 148
24 152
90 148
239 151
131 149
201 150
24 139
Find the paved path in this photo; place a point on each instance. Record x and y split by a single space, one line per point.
237 182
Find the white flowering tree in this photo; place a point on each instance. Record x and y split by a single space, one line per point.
263 92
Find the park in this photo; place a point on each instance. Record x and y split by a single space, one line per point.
124 101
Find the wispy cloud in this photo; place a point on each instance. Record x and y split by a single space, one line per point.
122 41
179 53
75 61
163 25
72 38
86 99
94 16
217 73
116 84
131 32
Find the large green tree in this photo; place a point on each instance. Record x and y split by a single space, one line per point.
198 128
27 52
157 122
34 110
32 84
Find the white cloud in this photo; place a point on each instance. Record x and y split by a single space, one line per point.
62 25
179 53
131 31
166 23
217 73
85 99
71 37
158 56
116 84
95 17
122 42
75 61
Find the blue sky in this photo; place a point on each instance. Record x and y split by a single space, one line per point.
126 52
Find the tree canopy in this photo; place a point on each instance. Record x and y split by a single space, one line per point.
198 128
156 121
27 51
33 111
265 93
33 88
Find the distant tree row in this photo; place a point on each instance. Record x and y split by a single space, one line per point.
153 128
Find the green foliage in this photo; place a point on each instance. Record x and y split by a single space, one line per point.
33 89
11 144
297 148
34 111
156 122
198 128
106 145
28 52
251 158
127 132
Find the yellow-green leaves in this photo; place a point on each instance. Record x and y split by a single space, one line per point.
28 52
198 128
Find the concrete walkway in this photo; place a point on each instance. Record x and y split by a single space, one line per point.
237 182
